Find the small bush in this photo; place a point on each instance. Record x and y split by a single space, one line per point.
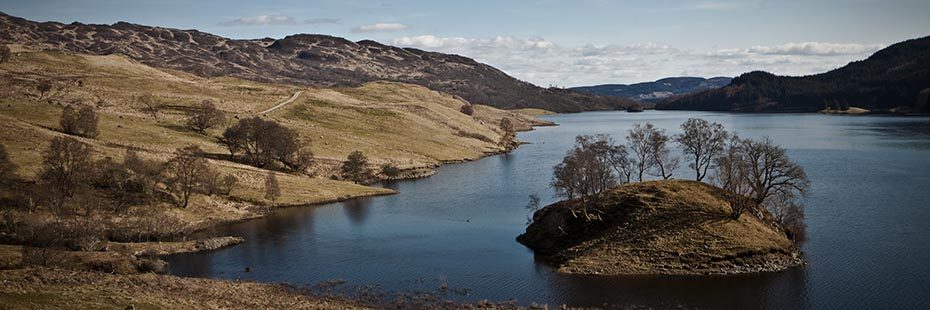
390 171
468 109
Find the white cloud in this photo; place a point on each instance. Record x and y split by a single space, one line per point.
314 21
380 27
261 20
544 62
816 48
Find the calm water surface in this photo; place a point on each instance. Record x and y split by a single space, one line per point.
867 215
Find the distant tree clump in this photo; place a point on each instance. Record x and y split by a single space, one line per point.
87 122
5 53
203 117
82 122
701 142
68 120
508 135
183 174
467 109
227 184
44 86
262 143
651 154
390 171
272 189
356 168
66 165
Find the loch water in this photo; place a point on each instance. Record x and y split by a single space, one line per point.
868 217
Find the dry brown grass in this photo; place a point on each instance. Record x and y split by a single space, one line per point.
410 126
44 288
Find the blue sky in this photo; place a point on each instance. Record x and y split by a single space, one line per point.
554 42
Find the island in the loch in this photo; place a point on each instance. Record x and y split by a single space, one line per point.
615 221
660 227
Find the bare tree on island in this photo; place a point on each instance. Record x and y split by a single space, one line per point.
760 173
592 166
701 142
651 154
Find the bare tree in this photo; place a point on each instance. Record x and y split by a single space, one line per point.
145 173
183 174
69 120
227 184
771 173
87 122
663 162
356 168
508 135
44 86
66 164
649 147
759 173
150 104
701 142
588 168
731 171
272 189
532 206
204 116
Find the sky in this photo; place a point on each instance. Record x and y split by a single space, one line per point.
553 42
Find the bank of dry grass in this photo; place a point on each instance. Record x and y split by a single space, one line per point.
48 288
409 126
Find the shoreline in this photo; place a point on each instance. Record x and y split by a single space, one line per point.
425 172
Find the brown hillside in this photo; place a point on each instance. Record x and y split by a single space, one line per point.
309 60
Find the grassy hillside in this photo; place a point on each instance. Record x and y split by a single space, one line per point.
302 59
660 227
410 126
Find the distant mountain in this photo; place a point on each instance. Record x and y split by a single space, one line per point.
316 60
658 90
894 79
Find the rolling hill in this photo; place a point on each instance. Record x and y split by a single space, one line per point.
895 79
656 91
303 59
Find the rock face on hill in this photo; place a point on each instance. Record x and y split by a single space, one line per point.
895 79
659 227
316 60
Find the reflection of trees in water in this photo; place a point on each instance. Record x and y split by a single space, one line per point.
904 129
916 133
191 265
357 210
783 290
